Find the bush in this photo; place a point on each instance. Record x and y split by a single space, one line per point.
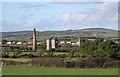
27 55
62 55
70 64
9 62
46 61
5 54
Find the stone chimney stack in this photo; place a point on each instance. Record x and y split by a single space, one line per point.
78 41
34 40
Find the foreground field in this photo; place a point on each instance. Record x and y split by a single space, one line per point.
36 70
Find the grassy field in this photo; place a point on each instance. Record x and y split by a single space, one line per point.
37 70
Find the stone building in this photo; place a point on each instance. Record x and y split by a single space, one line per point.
52 43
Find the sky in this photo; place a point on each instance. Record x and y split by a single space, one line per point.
44 16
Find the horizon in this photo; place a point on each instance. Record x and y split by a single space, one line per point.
46 16
59 30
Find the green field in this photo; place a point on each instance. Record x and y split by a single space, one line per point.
37 70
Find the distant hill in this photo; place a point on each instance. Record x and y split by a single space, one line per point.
26 35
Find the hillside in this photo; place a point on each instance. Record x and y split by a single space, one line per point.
26 35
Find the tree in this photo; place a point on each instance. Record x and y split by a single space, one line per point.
4 41
16 53
108 47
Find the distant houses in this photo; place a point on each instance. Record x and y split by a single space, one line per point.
92 38
52 43
20 43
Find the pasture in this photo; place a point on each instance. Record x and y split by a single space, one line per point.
37 70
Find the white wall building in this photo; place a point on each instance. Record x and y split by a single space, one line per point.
9 42
19 43
62 42
68 42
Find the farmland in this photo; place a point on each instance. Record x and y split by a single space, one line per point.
37 70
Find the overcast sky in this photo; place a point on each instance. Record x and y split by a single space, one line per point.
20 16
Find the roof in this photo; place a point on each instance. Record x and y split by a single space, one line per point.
53 38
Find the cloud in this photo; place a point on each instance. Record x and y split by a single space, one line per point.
68 17
115 17
32 5
75 0
85 0
25 1
103 12
110 0
63 0
105 15
29 23
6 26
59 0
102 15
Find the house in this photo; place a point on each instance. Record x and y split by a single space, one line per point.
9 42
13 42
62 42
19 43
73 43
68 42
24 43
38 43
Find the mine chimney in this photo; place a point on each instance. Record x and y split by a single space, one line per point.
79 41
34 40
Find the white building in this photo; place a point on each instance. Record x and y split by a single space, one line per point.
73 43
9 42
68 42
13 42
62 42
19 43
38 43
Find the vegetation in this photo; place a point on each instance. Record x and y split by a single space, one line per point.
91 54
37 70
100 48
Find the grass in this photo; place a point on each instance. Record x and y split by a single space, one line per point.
18 59
37 70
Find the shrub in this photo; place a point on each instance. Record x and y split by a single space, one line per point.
70 64
62 55
48 61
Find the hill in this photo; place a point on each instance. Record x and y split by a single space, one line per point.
26 35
